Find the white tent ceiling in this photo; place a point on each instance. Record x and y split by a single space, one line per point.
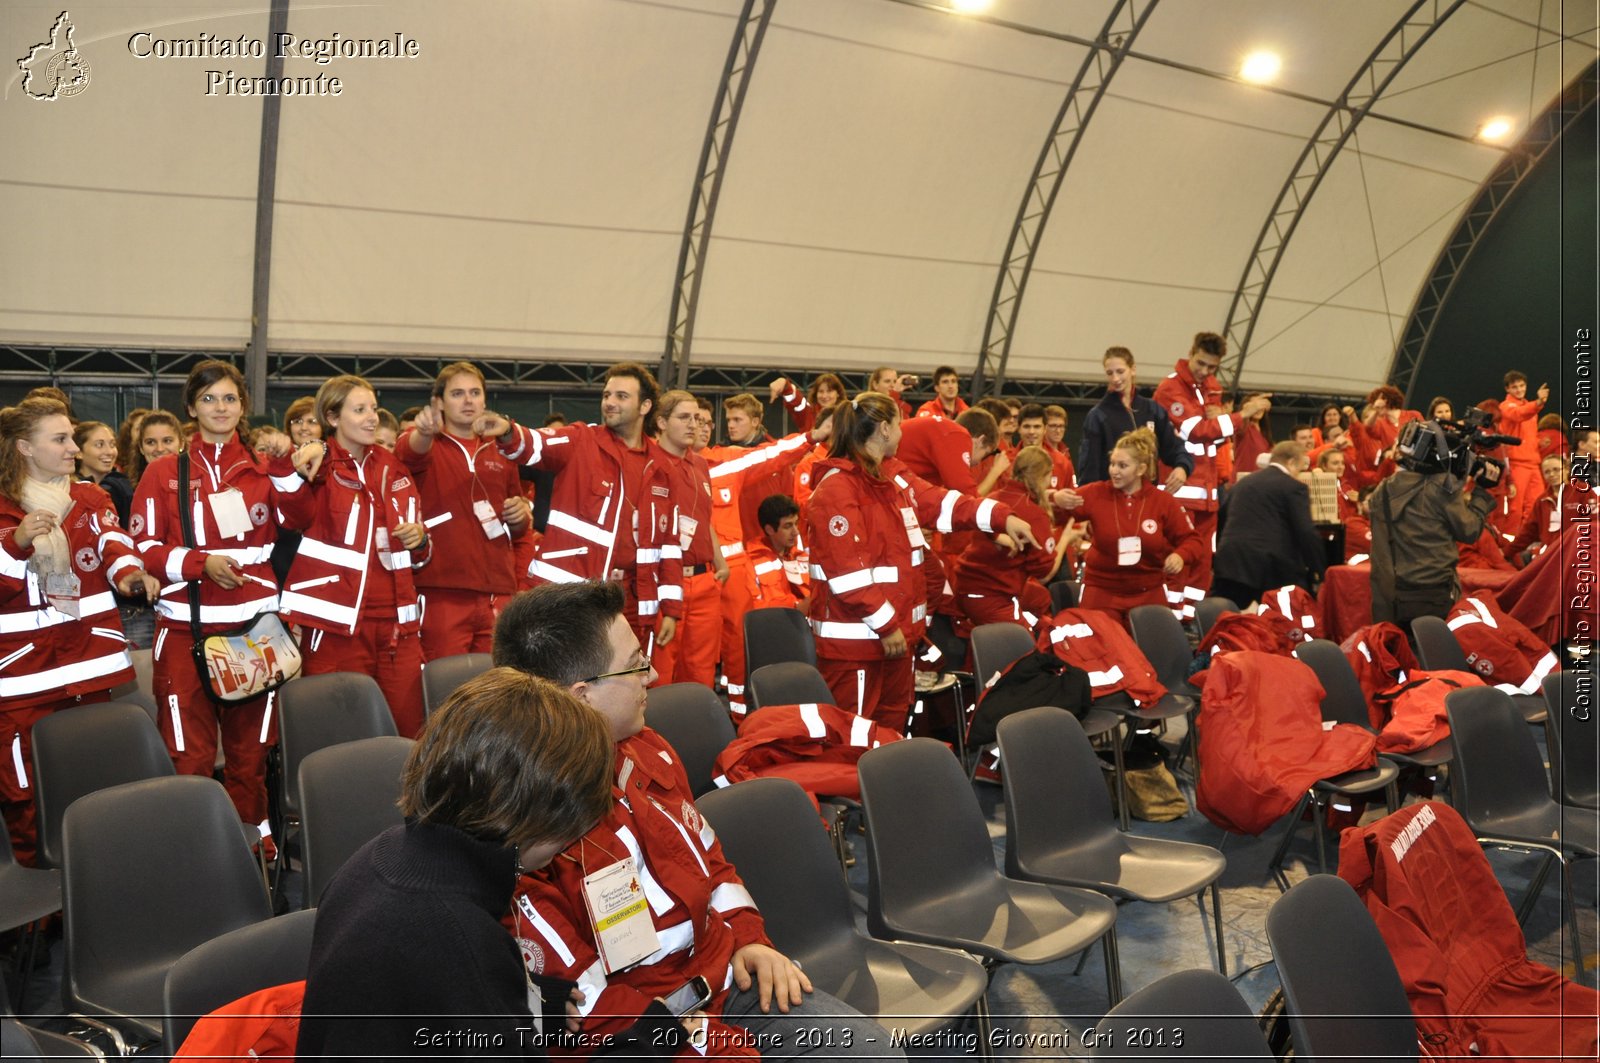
520 188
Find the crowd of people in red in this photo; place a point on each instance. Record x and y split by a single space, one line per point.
386 541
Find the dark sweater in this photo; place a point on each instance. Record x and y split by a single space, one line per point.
1110 420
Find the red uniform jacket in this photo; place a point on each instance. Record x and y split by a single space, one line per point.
1293 609
817 746
1091 640
701 911
867 550
934 408
1206 438
46 655
154 525
690 480
737 470
1457 945
1550 513
610 513
1381 657
776 582
984 570
800 408
1416 709
349 514
1161 523
1245 631
1499 647
1551 441
1520 418
939 451
453 476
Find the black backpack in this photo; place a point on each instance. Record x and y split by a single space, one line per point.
1031 681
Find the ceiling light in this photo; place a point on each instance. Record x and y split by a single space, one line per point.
970 7
1260 67
1495 129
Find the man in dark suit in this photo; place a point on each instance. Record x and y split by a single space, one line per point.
1265 536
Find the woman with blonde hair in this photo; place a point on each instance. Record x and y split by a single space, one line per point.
990 577
1139 534
300 422
62 554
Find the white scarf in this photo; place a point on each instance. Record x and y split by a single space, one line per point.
51 554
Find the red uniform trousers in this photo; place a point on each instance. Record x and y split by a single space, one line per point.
1529 483
16 774
455 622
189 722
691 657
880 690
1188 587
735 603
1118 604
377 649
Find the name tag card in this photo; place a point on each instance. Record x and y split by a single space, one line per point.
623 930
1129 549
230 513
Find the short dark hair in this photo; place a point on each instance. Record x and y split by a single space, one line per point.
774 508
649 390
511 759
556 420
406 415
997 408
1514 376
944 371
1030 411
206 375
1209 343
980 424
1301 427
559 631
453 370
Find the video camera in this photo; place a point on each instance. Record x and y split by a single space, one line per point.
1455 447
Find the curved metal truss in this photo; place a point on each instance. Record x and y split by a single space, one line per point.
1375 74
742 52
1543 134
1105 56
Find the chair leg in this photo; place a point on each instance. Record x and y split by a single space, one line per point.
1319 815
1083 961
980 1010
961 722
1276 864
1216 917
1121 772
1571 918
1108 945
1535 887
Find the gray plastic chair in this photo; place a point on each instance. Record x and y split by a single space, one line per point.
234 965
695 723
809 916
1343 700
349 794
775 635
787 683
1210 608
1160 637
1574 760
441 678
996 646
317 711
1214 1020
1058 824
80 750
1064 594
27 894
932 876
152 869
1437 649
1503 793
1344 997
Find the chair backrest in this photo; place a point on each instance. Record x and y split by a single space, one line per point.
1342 698
80 750
1210 608
1437 648
234 965
797 884
774 635
695 723
317 711
1217 1023
927 840
1574 759
1159 635
1498 771
1344 997
441 677
1055 794
788 683
348 796
996 646
152 869
1064 595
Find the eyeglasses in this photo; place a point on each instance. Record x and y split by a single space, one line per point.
212 400
638 669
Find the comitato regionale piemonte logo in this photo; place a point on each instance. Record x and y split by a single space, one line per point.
54 69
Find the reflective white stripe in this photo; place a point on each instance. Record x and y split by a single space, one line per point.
947 512
1225 423
266 726
355 560
76 672
648 608
49 616
175 563
397 561
985 518
670 592
684 834
1455 623
707 836
1540 670
660 902
582 529
1361 647
732 549
126 561
307 606
352 523
1357 559
669 552
16 761
850 581
918 612
406 614
1189 425
1483 611
675 938
537 568
1062 632
730 897
880 617
546 931
1106 678
813 720
555 555
435 521
916 557
836 629
758 456
109 633
23 652
246 555
11 567
647 556
236 613
321 581
773 566
735 688
287 485
1191 491
861 731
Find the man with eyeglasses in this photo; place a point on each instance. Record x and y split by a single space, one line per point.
694 917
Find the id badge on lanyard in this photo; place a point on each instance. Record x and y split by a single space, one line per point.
1129 549
230 513
624 932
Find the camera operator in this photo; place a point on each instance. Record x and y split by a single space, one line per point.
1422 511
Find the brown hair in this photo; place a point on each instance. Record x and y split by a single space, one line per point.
1209 343
746 402
832 380
649 390
1322 459
207 375
997 409
1055 411
1031 468
856 421
669 401
1388 394
386 419
511 759
872 378
1436 402
137 464
1514 376
83 430
1117 352
1141 443
56 394
304 406
944 371
19 422
980 424
126 441
455 369
1549 421
331 396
